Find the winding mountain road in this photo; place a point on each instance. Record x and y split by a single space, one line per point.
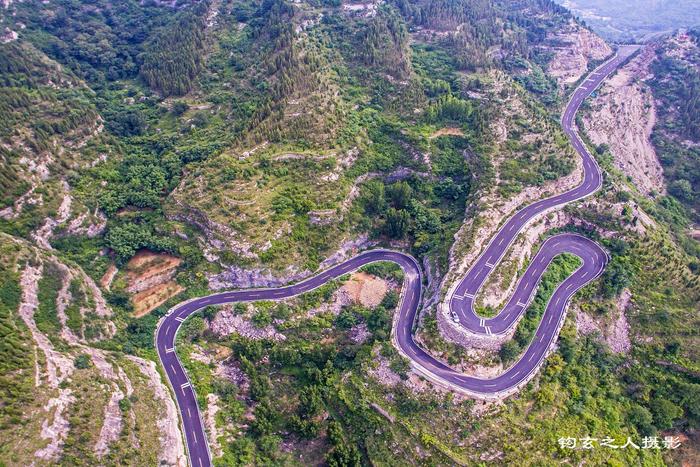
460 299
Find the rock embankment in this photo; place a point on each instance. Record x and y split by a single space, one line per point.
615 330
622 116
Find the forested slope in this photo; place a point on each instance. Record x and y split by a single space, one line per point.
676 87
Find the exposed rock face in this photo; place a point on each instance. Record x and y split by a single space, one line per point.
55 368
210 424
618 338
623 117
90 225
236 277
58 368
57 430
112 425
227 321
615 334
8 36
574 47
44 233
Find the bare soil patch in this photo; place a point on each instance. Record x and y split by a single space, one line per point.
154 297
149 277
366 289
108 277
447 131
147 265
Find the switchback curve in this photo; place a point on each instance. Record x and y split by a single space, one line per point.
460 300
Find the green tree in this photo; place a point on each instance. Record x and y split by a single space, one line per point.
681 189
664 413
397 222
179 108
509 351
390 300
193 328
265 419
346 319
174 56
127 123
262 319
400 194
373 197
341 454
243 451
82 361
378 322
616 277
641 418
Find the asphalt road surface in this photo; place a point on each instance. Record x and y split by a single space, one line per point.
461 299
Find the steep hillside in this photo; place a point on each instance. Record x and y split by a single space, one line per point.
64 398
357 93
647 116
623 116
51 129
676 89
574 50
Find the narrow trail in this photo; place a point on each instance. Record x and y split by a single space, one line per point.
460 299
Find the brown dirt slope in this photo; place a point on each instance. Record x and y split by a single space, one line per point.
149 278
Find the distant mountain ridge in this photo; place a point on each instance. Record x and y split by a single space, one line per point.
635 20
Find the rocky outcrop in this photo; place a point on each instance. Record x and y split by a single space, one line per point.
112 423
58 367
90 225
56 430
8 36
614 332
236 277
216 235
210 425
228 321
574 47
